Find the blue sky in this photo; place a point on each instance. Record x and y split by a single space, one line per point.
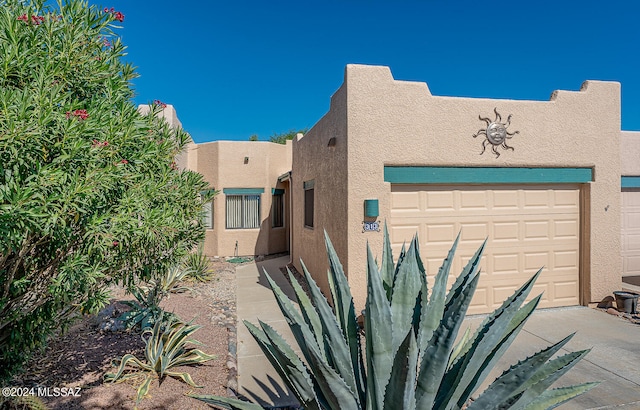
237 68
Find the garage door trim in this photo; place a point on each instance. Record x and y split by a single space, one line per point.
485 175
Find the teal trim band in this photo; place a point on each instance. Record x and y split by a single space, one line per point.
630 182
275 191
479 175
243 191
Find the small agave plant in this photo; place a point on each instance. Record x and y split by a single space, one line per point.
411 358
165 348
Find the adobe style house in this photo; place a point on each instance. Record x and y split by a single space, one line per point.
553 184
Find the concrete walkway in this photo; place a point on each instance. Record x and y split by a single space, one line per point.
614 359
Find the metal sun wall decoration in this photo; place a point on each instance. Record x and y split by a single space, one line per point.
496 133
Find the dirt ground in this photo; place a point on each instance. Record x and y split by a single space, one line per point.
82 356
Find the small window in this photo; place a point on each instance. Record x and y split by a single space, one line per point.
243 211
277 210
308 203
207 219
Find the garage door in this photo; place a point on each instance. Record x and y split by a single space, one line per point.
527 228
630 232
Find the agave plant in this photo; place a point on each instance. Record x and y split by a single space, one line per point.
165 349
198 265
411 358
146 310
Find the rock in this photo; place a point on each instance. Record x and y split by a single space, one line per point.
606 303
613 311
231 364
112 325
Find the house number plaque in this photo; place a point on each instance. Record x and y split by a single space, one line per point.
371 226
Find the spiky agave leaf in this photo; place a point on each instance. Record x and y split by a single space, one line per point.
345 312
379 344
338 350
308 311
550 399
405 294
436 355
486 346
546 376
135 362
226 403
400 392
513 381
432 314
387 269
302 332
293 371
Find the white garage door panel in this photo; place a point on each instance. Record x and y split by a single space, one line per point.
526 230
631 233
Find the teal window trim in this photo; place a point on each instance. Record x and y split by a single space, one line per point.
278 191
630 182
243 191
486 175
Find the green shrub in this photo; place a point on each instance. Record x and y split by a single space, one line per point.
165 349
198 265
411 360
89 191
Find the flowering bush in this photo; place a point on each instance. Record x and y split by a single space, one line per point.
88 192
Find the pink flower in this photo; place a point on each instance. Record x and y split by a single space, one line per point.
37 20
159 103
116 243
117 15
81 114
124 161
174 166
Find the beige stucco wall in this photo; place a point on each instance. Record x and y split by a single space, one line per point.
222 163
391 122
630 153
313 159
168 113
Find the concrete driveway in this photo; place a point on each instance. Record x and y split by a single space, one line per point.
614 359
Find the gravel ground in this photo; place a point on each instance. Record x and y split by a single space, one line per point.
81 357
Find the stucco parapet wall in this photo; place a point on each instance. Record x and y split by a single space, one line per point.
374 75
630 153
168 113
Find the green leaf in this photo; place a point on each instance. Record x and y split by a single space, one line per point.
338 350
405 296
436 355
401 387
345 313
431 315
516 379
379 344
387 269
226 403
296 371
551 399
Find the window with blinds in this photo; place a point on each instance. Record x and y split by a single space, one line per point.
243 211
